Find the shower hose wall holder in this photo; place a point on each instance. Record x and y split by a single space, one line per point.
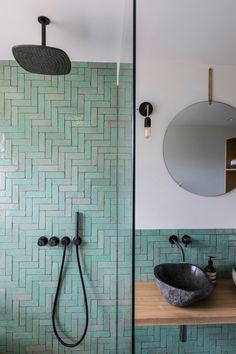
65 242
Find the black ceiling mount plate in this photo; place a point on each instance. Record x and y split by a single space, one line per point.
43 20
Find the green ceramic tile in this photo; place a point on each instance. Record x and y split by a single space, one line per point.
60 157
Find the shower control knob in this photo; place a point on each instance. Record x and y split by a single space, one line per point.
173 239
65 241
54 241
77 241
186 240
42 241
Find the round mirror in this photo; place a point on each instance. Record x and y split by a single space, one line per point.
200 148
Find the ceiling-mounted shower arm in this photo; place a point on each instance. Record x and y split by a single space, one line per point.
44 21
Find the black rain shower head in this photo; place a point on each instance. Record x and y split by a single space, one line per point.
41 59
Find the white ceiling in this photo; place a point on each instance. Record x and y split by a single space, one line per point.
187 31
88 30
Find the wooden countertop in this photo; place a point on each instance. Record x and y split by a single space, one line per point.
152 309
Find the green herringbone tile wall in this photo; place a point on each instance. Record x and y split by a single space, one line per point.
152 248
58 154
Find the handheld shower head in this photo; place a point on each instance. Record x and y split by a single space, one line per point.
77 239
65 242
41 59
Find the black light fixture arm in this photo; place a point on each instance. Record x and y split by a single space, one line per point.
44 21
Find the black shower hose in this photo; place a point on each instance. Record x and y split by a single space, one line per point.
56 300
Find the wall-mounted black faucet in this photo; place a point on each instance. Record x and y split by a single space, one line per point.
174 240
186 240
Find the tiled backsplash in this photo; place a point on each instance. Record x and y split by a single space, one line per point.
152 248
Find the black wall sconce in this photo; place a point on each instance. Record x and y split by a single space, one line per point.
146 109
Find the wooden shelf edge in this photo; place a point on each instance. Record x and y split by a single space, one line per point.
152 323
153 310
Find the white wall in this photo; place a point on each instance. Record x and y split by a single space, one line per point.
160 203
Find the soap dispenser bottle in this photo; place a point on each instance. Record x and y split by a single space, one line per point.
211 271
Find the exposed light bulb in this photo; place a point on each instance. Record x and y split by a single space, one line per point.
147 127
147 133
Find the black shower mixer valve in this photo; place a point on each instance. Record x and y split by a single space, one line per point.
77 240
55 241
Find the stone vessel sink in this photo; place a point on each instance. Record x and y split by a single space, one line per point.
182 284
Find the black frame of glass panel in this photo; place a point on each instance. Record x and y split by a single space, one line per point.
134 165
